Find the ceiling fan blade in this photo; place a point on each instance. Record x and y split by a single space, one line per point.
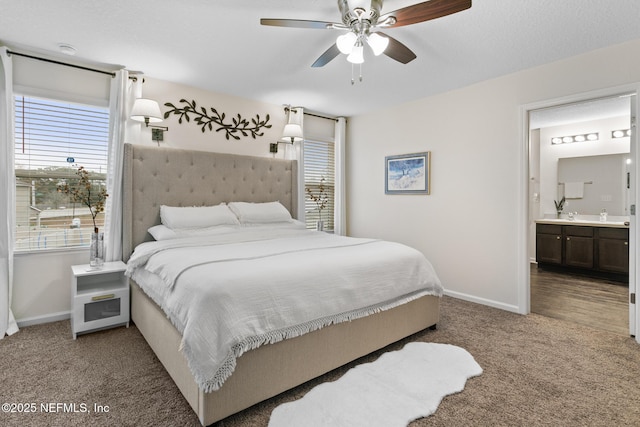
424 11
301 23
398 51
327 56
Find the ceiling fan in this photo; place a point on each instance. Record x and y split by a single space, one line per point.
363 19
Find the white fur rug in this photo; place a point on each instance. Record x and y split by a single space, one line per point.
397 388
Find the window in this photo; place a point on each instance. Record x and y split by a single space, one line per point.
319 181
52 139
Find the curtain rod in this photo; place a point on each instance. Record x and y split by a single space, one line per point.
112 74
319 116
287 108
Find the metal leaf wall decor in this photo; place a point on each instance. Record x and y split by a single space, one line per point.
213 120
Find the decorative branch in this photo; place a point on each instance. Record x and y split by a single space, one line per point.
82 193
202 118
321 199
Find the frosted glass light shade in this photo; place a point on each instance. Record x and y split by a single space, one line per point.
357 55
146 110
345 42
377 43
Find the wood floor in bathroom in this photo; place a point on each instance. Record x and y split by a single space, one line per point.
598 303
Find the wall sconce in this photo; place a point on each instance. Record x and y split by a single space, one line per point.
575 138
148 111
291 133
622 133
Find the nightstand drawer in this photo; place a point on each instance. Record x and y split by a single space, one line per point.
100 309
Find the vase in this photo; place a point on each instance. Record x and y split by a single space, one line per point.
96 250
320 225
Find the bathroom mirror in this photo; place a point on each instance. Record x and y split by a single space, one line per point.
593 183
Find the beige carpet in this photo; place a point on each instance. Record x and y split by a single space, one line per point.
537 371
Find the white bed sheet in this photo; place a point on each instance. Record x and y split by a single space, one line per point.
247 287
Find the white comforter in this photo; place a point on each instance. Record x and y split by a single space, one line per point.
240 289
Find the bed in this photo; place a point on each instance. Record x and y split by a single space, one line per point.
155 177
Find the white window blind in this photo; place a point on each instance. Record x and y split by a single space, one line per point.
319 179
52 139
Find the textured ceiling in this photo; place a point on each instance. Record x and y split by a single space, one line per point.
220 45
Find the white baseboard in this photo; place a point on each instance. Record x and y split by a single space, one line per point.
47 318
64 315
483 301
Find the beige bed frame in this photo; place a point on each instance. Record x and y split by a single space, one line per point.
155 176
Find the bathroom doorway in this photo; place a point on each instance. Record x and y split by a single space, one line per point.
562 136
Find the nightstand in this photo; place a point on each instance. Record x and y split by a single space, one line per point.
99 297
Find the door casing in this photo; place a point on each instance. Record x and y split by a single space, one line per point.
524 285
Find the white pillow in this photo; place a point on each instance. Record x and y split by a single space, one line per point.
197 216
162 232
260 213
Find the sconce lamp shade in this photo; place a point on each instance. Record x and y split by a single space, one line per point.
292 132
146 110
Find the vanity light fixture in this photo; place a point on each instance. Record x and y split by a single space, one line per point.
148 111
621 133
594 136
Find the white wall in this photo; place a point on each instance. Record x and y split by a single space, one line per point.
42 282
189 135
468 227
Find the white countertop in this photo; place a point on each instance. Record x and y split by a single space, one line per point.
583 222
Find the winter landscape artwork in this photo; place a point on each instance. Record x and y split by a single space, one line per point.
408 173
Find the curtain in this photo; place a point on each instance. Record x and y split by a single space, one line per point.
340 220
121 99
296 152
8 323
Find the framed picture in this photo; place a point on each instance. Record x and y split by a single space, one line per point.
408 174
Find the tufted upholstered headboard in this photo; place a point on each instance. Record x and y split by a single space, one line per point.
156 176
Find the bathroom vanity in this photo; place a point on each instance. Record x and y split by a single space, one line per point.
587 247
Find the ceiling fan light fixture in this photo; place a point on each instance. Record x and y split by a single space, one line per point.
362 18
346 42
377 43
357 54
387 22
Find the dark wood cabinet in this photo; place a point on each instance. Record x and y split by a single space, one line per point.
613 250
578 246
602 251
549 244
